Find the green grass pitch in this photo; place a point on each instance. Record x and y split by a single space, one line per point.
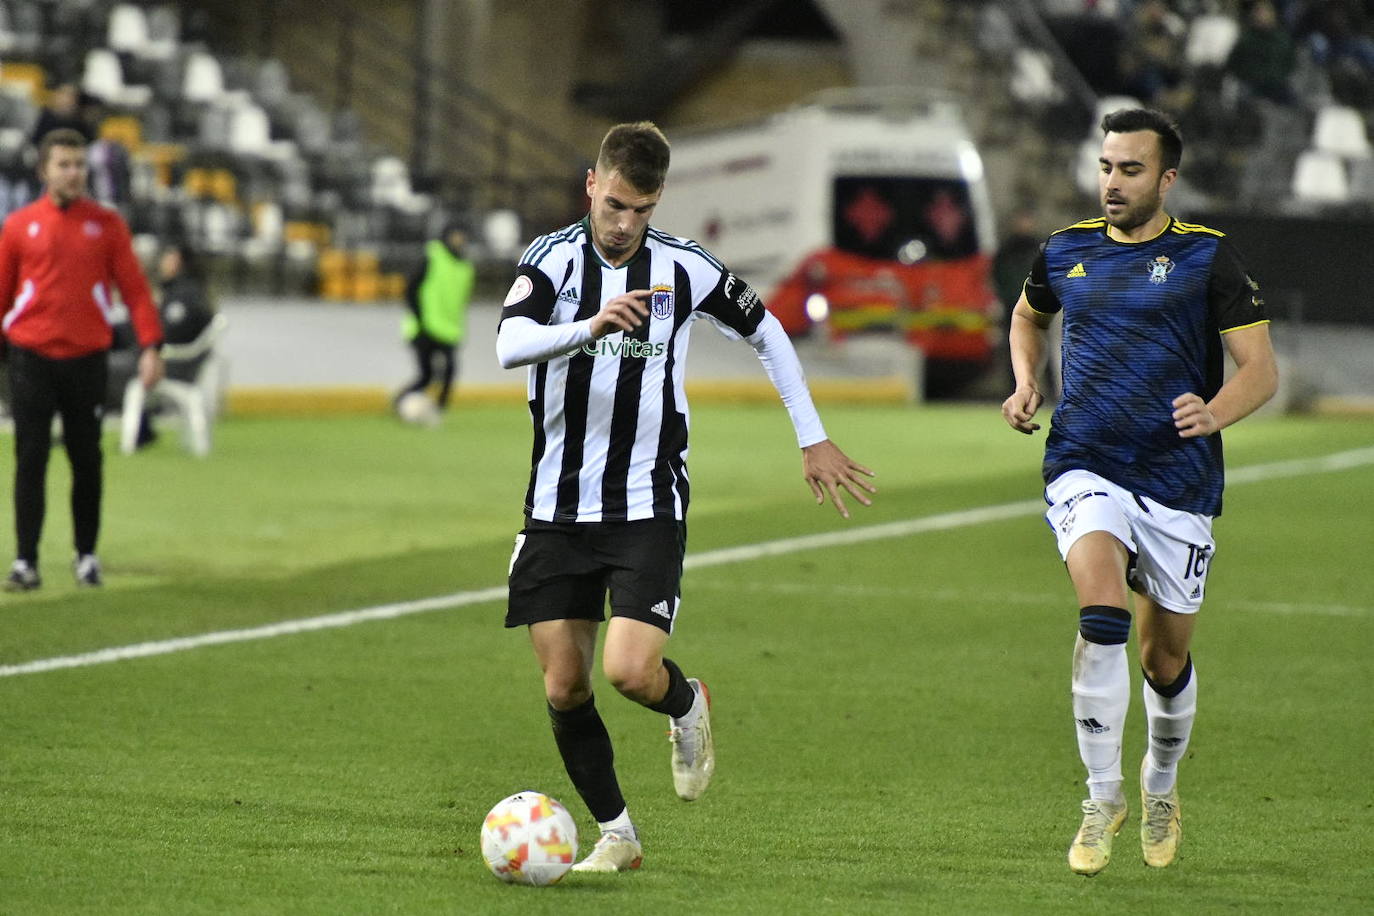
892 716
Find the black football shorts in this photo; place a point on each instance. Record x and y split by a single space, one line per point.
564 571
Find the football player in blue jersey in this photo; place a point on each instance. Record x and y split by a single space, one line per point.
1133 460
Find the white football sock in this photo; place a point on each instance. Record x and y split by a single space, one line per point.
1101 695
1171 725
620 824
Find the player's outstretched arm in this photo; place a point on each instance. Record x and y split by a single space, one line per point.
829 471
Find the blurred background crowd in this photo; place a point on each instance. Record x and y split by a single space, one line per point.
308 150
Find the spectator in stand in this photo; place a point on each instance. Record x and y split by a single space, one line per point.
1338 40
66 108
1151 60
1264 55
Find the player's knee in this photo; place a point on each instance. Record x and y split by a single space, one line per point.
566 692
1162 667
1104 624
634 678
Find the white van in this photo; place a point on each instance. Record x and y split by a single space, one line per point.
857 212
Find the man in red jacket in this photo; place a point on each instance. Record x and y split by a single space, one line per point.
59 257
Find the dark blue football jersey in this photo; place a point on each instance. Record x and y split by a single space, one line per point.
1142 325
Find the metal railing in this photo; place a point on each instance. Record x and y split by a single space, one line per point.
408 105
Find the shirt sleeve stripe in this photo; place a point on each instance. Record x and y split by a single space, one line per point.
1241 327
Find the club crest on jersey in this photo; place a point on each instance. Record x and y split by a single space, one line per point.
1160 268
661 301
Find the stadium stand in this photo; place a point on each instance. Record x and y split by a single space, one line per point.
225 150
221 150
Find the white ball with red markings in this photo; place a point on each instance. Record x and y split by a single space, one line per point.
529 838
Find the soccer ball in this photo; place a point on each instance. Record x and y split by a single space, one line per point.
415 407
529 838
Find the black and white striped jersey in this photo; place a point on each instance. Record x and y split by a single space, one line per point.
610 416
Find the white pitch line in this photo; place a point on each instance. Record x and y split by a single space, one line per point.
267 631
1338 461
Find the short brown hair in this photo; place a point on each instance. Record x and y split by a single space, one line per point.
62 136
639 152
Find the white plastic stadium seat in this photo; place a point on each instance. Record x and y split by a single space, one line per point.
1210 40
1320 178
501 232
1105 106
1088 165
1032 78
128 29
1340 130
103 77
203 80
249 131
197 402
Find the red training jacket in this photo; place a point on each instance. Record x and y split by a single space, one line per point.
56 267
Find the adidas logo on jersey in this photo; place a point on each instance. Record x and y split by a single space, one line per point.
569 296
1077 271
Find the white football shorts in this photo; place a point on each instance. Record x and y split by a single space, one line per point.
1171 551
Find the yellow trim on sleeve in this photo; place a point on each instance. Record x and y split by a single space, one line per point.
1182 227
1241 327
1096 222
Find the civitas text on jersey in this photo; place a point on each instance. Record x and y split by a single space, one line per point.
625 349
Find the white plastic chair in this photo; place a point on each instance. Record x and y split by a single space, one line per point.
249 131
197 402
1320 177
128 29
1105 106
1340 130
501 232
1210 39
104 77
1087 165
203 80
1032 78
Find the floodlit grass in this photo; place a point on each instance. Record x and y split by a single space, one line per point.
892 717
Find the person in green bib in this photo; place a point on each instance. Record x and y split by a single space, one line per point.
437 296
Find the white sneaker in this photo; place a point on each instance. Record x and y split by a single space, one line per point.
613 852
694 753
22 577
86 568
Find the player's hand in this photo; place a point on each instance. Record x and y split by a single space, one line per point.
1192 416
621 313
830 471
1018 409
150 368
